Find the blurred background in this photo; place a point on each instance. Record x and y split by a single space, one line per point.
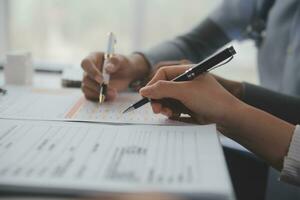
59 33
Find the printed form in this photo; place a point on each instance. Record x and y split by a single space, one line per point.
68 157
70 105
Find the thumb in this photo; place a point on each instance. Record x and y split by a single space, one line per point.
162 89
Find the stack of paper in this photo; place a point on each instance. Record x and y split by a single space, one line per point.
41 151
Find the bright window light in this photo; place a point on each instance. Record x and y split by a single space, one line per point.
64 31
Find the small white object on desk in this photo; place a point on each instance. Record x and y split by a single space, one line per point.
18 69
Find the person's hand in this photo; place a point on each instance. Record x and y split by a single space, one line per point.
234 87
123 70
204 99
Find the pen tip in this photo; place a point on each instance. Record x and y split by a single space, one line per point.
101 98
128 110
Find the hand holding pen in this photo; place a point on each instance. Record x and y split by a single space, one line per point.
203 99
193 72
122 71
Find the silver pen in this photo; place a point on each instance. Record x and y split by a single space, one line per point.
109 53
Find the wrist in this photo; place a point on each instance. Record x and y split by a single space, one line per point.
238 89
140 66
232 116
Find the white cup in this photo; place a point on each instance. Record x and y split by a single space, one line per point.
18 69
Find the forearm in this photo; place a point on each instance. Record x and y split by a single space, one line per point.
285 107
228 22
195 45
141 66
260 132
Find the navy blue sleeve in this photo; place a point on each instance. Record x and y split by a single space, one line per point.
195 45
229 21
280 105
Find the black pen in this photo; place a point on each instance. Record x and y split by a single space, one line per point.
193 72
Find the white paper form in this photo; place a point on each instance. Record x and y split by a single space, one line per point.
27 103
90 158
112 112
70 105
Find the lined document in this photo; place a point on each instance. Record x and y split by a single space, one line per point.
78 157
112 112
70 105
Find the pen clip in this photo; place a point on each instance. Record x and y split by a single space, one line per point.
221 64
189 73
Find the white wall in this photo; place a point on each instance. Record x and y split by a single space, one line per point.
4 26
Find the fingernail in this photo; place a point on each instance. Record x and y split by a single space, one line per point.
145 89
110 67
144 92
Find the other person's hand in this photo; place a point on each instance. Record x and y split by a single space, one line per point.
123 70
